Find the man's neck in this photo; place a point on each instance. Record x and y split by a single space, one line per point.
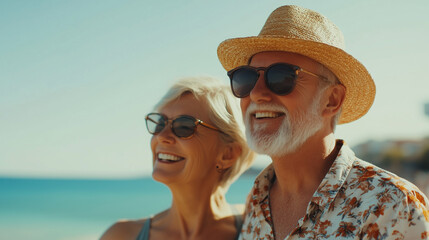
297 177
303 170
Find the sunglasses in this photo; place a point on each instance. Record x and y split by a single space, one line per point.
280 78
183 126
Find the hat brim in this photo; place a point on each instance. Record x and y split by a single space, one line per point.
360 88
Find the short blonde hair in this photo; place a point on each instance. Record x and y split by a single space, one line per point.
224 113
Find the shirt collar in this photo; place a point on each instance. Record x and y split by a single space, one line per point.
327 189
336 176
262 184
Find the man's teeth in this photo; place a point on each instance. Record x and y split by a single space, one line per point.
266 115
169 157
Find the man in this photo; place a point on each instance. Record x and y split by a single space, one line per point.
296 83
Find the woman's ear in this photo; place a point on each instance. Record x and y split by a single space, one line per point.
230 154
336 95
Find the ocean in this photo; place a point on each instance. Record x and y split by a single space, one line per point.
60 209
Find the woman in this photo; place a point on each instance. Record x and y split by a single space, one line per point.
199 149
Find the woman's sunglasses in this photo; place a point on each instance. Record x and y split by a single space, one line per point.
183 126
280 78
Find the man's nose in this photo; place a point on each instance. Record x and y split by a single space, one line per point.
260 93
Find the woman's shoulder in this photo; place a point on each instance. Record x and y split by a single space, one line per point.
128 229
124 229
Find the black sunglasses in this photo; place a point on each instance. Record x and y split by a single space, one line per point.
183 126
280 78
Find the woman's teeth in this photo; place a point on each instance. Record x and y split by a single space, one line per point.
266 115
169 157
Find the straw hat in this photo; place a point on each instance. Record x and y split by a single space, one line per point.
303 31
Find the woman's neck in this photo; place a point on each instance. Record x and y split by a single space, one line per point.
195 208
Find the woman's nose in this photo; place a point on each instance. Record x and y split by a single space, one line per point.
166 135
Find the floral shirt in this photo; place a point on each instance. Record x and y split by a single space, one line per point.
355 200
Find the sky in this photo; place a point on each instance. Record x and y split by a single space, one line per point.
78 77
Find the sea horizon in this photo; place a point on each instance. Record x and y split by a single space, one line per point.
66 209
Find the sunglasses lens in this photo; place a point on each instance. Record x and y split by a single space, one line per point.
155 123
243 80
281 78
184 127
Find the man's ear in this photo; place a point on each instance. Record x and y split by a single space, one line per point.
335 99
230 154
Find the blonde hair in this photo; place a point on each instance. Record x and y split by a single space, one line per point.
224 113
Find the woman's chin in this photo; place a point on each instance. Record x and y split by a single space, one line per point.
165 177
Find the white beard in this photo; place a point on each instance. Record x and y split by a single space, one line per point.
288 138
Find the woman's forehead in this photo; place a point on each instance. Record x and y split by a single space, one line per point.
187 104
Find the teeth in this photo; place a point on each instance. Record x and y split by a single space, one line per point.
168 157
266 115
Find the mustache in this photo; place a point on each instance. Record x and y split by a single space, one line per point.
269 107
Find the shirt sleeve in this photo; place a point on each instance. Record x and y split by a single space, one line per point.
415 222
406 219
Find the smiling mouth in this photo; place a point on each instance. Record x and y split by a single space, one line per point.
168 158
265 115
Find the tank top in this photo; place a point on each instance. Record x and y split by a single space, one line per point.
238 221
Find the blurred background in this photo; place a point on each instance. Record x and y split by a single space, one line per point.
77 78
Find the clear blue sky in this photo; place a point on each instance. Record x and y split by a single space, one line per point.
77 77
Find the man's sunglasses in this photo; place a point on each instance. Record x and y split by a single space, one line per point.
280 78
183 126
